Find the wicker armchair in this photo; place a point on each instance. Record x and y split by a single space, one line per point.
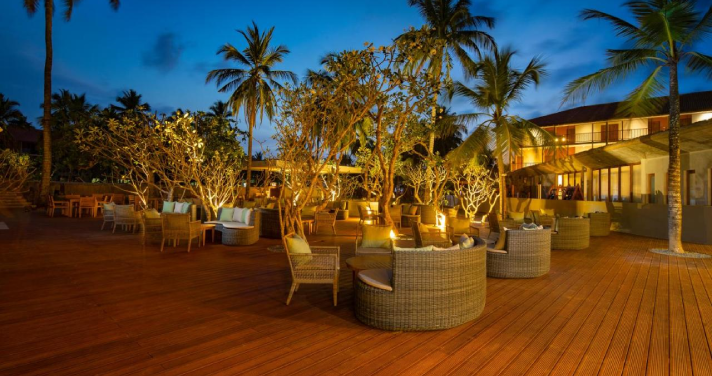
107 213
383 250
600 224
319 266
151 227
496 225
431 290
527 255
571 233
179 227
407 218
396 212
124 215
325 218
541 219
456 226
366 215
423 237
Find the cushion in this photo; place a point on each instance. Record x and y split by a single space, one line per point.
428 248
178 207
168 206
249 204
517 216
376 236
109 206
413 210
237 215
246 213
271 205
455 247
152 214
469 243
226 214
234 225
378 278
535 216
296 244
547 212
185 209
343 205
459 225
308 211
502 241
530 226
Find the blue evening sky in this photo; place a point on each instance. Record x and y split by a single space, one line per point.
163 49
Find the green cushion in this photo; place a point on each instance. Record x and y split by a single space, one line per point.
376 236
517 216
186 208
168 206
226 214
109 206
295 244
502 241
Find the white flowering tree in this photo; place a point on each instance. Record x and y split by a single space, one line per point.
475 186
15 169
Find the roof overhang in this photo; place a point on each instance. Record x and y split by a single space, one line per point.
695 137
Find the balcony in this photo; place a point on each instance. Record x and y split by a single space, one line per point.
600 137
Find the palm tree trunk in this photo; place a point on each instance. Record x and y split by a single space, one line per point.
46 107
251 126
674 199
502 187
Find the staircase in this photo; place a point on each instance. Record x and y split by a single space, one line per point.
12 200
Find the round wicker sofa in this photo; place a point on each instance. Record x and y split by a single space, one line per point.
432 290
241 236
572 233
528 255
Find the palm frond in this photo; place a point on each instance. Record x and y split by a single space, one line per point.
579 89
477 142
622 27
698 62
31 6
642 100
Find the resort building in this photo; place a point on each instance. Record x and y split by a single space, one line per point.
601 157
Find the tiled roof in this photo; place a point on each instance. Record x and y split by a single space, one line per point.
692 102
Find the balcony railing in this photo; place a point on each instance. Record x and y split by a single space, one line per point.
599 137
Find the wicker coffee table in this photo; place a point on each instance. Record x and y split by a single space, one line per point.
359 263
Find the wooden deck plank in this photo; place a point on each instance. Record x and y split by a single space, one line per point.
75 300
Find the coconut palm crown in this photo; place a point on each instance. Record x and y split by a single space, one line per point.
497 87
662 35
252 84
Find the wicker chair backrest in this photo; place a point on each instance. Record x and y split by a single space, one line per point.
124 211
493 222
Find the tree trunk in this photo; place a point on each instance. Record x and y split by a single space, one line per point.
502 187
46 107
674 199
251 127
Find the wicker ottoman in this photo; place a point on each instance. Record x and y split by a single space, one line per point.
600 224
573 233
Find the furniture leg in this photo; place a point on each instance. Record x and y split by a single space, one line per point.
291 292
163 241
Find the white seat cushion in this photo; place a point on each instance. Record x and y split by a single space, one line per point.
236 225
492 250
378 278
372 251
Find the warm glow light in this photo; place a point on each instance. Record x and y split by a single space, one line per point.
393 235
440 221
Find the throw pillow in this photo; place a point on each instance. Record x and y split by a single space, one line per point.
237 215
547 212
535 216
517 216
152 214
308 211
271 205
296 244
343 205
186 208
469 243
376 236
178 207
502 241
529 226
110 206
413 210
226 214
455 247
246 213
168 206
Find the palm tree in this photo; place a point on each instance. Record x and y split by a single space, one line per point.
661 37
70 109
32 6
455 31
9 114
253 83
130 102
498 86
220 110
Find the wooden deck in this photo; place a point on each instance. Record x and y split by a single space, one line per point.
76 300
